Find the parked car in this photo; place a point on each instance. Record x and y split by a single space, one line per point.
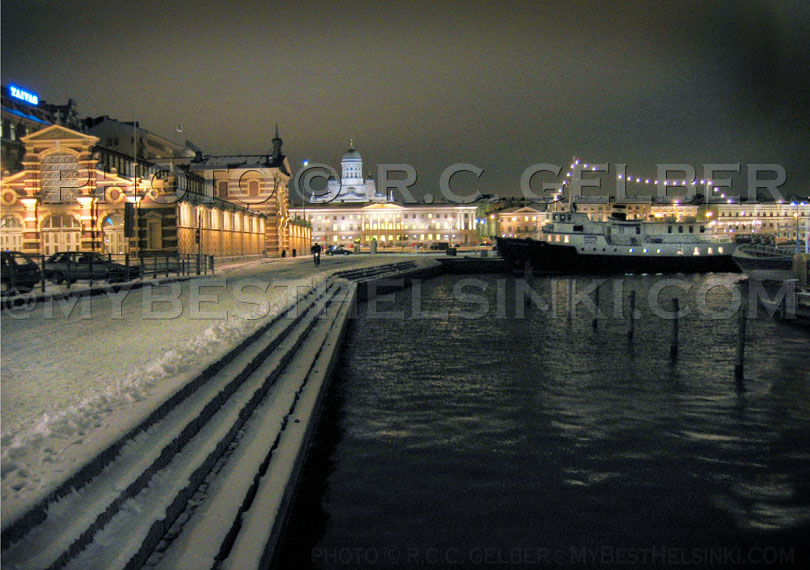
338 250
440 246
20 273
76 265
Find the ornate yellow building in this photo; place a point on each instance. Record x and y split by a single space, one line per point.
75 195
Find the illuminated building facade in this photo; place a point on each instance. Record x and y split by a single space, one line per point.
68 197
390 225
258 182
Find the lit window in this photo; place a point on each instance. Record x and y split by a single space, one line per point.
719 250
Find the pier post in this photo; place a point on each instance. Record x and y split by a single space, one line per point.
595 322
673 344
632 314
570 301
740 360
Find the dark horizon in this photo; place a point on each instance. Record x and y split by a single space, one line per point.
500 88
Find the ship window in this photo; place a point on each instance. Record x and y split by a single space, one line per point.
565 239
638 230
691 229
669 229
719 250
631 250
578 228
710 251
645 250
702 229
680 229
657 251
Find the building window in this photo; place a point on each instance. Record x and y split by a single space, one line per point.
60 177
222 189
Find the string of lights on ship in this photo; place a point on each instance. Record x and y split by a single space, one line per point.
674 183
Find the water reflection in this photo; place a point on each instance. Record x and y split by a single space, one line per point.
525 428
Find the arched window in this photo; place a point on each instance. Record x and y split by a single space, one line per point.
61 232
112 228
10 233
60 177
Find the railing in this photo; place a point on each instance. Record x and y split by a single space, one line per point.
128 267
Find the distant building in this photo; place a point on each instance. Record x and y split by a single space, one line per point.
390 225
24 113
121 136
353 186
261 183
523 222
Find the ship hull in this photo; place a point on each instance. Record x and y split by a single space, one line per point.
766 269
546 257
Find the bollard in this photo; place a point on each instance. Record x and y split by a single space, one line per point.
739 361
673 345
595 322
632 314
126 264
42 273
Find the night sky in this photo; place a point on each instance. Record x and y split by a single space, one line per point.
499 85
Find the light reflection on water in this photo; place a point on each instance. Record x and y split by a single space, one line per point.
543 432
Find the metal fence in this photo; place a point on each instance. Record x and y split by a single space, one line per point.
126 267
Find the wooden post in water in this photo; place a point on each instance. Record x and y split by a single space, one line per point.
740 360
570 298
596 315
632 314
673 344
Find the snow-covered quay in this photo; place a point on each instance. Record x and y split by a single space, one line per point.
80 373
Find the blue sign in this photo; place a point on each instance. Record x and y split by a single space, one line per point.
23 95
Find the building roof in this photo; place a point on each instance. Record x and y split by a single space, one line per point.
352 155
239 161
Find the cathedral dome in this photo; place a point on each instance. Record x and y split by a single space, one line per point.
351 155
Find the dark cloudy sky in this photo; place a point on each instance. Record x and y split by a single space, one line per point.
500 85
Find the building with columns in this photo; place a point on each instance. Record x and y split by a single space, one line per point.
353 186
390 224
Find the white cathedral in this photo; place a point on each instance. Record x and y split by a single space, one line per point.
353 186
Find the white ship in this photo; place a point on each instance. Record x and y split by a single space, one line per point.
572 243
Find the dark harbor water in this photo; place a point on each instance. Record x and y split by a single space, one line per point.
502 434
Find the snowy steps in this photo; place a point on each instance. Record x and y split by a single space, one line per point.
376 272
206 456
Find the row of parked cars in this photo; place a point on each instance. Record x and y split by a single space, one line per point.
21 272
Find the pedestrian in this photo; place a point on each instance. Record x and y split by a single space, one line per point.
316 253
